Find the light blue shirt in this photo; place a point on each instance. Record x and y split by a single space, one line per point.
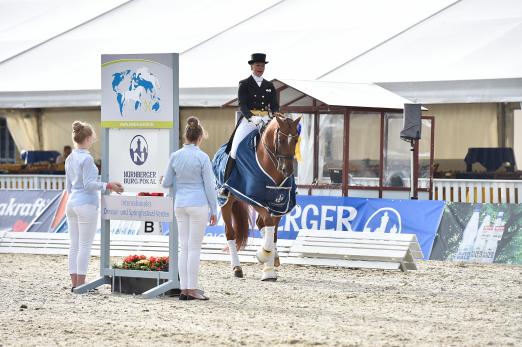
81 179
190 173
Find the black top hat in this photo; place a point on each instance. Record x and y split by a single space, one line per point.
257 58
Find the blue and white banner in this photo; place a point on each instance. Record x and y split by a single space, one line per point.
419 217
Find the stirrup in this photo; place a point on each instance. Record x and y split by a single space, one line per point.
223 192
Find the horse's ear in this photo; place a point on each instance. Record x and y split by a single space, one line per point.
297 120
280 119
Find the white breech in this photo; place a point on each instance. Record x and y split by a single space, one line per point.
244 128
82 222
192 222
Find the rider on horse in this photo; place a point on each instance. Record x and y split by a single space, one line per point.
257 100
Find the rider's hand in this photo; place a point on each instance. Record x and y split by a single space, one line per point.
213 220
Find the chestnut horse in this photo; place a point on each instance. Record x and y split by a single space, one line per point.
275 154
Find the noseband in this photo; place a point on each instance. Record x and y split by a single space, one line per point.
275 156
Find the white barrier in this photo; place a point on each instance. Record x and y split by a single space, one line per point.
358 249
453 190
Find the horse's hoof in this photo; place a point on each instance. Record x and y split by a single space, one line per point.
277 262
262 255
270 276
238 272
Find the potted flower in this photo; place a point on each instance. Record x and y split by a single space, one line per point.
138 285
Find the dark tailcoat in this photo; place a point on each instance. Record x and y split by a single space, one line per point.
254 97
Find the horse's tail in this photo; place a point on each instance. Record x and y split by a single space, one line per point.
241 222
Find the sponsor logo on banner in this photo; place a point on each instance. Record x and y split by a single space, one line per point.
138 164
19 209
139 150
384 220
480 233
137 91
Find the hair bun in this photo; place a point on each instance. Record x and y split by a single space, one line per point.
77 126
192 122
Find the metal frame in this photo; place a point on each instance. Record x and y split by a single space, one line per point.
106 272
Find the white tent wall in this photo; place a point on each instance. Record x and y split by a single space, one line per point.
460 126
56 127
218 122
517 138
23 126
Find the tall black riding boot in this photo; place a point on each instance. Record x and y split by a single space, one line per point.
228 170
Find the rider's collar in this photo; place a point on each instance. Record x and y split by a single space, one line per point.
257 79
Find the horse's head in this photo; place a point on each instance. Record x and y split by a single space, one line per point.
285 139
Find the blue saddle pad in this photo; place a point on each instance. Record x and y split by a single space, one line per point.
249 182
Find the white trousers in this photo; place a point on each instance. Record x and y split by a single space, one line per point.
82 221
192 222
244 128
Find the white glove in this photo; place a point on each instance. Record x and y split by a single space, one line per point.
259 121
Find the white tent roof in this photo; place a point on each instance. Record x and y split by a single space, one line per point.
304 38
474 42
72 60
345 94
24 24
48 58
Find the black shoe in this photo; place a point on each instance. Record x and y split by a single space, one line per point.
203 297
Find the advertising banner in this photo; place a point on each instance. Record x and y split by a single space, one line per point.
19 209
138 158
419 217
482 233
137 91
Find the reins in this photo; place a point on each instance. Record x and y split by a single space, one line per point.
275 156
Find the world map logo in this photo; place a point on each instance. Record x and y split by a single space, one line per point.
136 90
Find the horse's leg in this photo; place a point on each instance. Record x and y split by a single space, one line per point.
226 212
267 245
277 262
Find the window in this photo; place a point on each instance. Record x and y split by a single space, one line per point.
397 154
331 133
7 145
364 156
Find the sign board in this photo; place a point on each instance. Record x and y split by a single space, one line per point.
137 208
138 158
137 91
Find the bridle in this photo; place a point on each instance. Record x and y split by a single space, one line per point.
275 156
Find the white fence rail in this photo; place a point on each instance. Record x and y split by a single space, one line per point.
470 191
50 182
478 191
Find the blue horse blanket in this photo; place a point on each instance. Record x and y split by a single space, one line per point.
250 183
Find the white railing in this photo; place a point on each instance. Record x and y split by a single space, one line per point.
49 182
471 191
478 191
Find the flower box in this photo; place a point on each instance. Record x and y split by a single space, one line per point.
138 285
137 274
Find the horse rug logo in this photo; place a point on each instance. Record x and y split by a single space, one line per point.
139 150
280 198
384 220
